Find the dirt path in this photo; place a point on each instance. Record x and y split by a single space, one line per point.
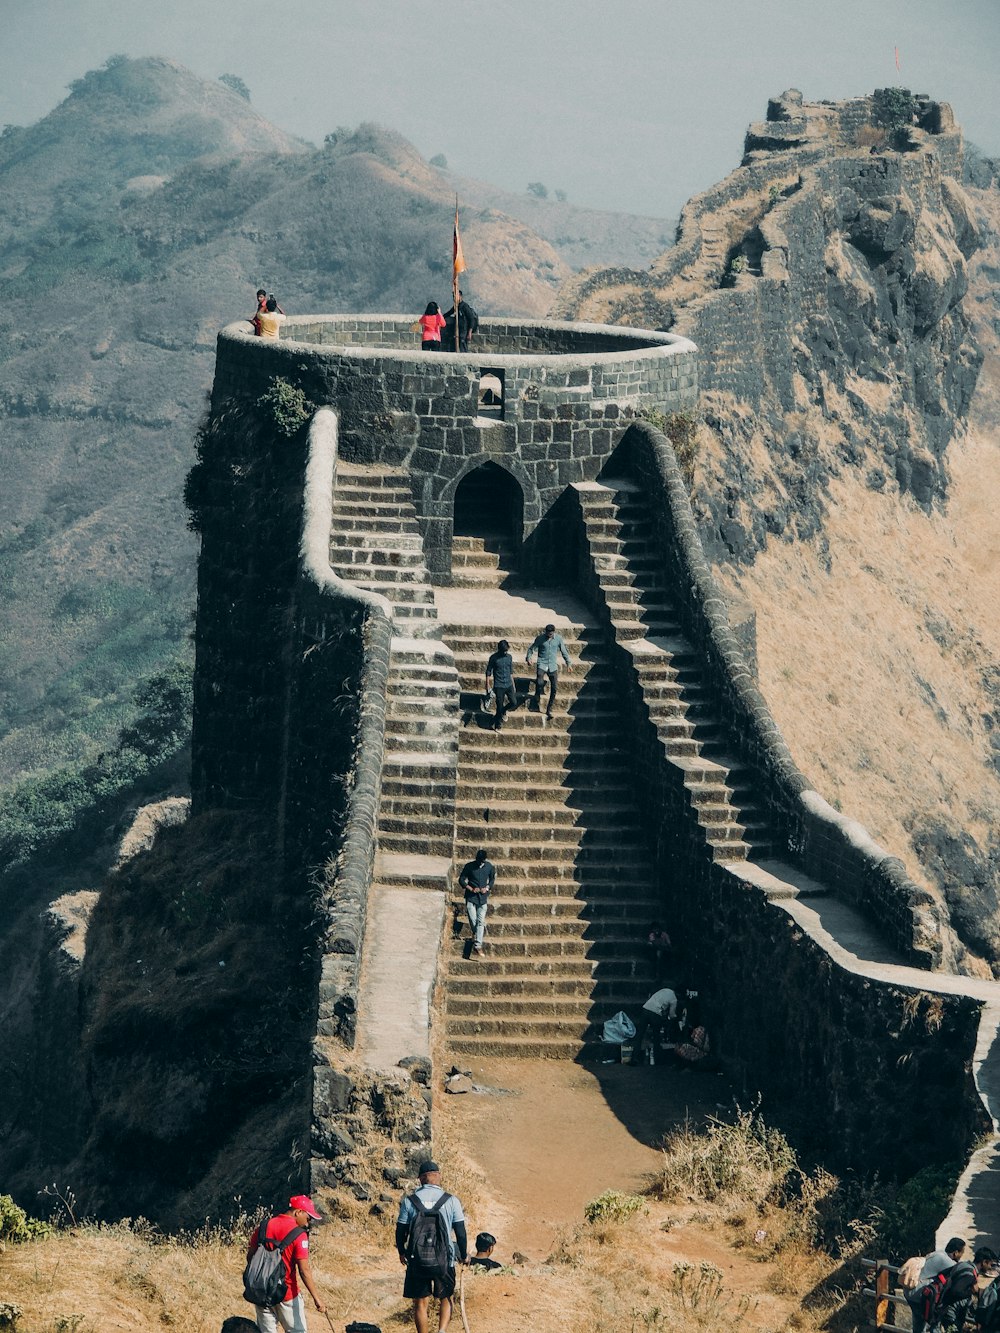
555 1135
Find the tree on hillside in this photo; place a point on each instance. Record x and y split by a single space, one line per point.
538 190
235 85
439 160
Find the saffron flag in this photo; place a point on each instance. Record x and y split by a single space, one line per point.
458 259
897 56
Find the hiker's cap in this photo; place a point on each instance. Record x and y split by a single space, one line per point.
428 1168
301 1203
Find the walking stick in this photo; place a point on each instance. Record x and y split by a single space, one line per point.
329 1321
461 1298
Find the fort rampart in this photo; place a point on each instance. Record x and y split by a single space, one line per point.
566 393
293 662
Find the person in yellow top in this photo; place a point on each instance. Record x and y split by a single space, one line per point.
270 319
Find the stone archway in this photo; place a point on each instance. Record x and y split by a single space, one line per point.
487 526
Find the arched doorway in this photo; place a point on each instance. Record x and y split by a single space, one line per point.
488 522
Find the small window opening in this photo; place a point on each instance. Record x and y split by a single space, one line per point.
491 394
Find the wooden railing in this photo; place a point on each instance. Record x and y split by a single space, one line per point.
886 1293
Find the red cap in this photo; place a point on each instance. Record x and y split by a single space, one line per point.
301 1203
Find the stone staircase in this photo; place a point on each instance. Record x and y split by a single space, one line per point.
375 543
553 804
481 562
619 533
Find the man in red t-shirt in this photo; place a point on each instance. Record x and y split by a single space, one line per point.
290 1313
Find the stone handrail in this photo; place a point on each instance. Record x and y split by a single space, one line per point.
346 879
813 833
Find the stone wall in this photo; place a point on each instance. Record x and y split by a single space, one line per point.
821 841
563 411
841 1055
868 1075
290 680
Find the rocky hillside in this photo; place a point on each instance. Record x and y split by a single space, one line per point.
846 462
135 220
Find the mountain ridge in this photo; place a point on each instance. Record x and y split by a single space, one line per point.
136 219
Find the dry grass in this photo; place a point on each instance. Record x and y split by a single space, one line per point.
894 635
727 1234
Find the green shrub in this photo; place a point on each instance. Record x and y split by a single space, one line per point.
911 1220
286 405
40 810
681 429
612 1206
16 1226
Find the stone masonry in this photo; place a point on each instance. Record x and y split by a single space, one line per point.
348 664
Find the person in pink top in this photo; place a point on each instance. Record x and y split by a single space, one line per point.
431 323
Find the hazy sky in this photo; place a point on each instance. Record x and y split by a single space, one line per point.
625 104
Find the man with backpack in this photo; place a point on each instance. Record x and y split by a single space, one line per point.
427 1218
925 1299
277 1258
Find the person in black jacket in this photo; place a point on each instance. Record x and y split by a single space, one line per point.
468 323
500 679
477 879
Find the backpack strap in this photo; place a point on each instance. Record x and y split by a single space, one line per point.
293 1235
280 1245
421 1207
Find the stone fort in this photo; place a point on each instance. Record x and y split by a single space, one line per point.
373 520
357 570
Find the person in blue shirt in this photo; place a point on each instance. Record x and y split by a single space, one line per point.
548 648
500 679
417 1285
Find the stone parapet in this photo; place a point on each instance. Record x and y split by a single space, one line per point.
827 846
568 393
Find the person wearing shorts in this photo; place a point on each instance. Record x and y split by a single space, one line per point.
418 1286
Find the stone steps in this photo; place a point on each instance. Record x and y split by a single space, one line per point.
521 970
620 533
633 991
481 562
566 922
375 543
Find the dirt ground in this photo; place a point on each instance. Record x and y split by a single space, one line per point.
531 1167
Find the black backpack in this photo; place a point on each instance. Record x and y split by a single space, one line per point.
961 1283
264 1275
926 1298
428 1248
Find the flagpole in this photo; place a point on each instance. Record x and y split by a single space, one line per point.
454 274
